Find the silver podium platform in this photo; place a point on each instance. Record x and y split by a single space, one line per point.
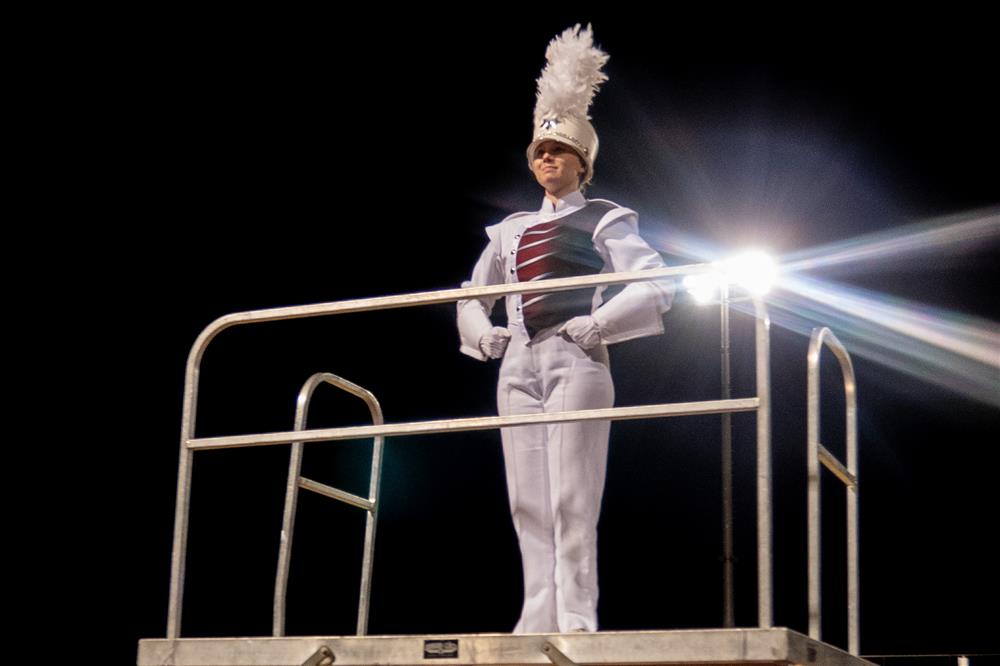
702 646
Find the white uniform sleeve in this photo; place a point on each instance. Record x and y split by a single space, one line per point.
637 310
474 314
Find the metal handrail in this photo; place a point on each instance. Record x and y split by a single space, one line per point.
296 481
474 423
848 474
189 443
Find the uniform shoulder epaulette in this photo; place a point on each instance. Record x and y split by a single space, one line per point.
613 212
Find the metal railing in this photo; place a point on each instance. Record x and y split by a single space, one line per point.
296 481
848 474
761 403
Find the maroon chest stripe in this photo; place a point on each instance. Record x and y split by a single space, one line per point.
539 230
548 246
555 249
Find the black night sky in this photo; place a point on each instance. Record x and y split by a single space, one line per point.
281 162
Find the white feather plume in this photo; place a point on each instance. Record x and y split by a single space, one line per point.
571 76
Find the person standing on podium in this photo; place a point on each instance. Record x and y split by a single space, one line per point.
554 346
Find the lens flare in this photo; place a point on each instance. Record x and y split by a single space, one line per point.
952 234
959 352
753 270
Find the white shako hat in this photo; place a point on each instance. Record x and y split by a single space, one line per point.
566 88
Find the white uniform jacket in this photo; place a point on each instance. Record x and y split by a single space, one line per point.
633 313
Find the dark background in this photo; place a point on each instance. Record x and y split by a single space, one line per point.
267 161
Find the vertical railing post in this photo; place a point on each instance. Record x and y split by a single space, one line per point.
182 508
853 535
375 482
814 535
764 537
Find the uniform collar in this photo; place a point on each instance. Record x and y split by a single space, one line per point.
571 202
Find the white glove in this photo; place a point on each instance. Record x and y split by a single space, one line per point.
584 331
494 341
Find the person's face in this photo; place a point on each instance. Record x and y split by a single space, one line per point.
557 168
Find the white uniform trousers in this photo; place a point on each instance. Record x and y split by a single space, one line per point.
555 476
